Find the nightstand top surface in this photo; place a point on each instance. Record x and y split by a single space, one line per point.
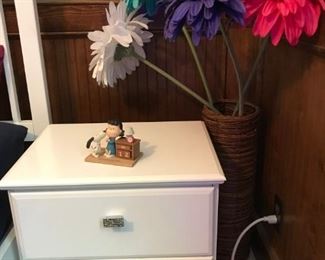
174 152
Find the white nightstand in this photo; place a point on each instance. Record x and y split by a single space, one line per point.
168 200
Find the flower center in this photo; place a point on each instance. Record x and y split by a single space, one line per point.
120 23
121 52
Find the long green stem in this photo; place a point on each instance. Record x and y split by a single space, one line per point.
253 70
235 62
177 83
198 65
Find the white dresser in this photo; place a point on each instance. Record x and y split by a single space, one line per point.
165 207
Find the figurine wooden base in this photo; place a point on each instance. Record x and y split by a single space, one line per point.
113 160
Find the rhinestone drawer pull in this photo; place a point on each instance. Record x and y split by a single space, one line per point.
113 221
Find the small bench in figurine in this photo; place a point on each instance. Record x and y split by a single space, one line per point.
119 150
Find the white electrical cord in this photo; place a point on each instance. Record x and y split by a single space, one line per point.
272 219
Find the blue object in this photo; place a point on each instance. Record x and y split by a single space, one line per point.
111 146
11 147
149 5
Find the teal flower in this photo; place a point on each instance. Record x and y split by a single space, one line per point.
150 5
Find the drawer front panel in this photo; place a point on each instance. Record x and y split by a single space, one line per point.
124 147
167 222
124 154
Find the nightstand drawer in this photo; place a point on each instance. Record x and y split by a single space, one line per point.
165 222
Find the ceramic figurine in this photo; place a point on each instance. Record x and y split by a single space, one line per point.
113 131
94 144
129 132
121 148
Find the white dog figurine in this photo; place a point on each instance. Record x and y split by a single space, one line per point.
94 144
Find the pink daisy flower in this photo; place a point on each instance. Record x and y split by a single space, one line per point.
322 4
288 17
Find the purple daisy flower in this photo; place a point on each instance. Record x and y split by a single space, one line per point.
203 16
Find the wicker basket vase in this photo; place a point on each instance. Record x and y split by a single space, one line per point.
235 141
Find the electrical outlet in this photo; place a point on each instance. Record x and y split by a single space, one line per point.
278 211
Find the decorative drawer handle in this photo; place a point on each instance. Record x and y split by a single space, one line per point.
113 221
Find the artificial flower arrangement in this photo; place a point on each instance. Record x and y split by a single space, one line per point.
118 51
118 48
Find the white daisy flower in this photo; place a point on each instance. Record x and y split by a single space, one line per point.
114 47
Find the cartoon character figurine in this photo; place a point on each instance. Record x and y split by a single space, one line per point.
121 147
94 144
113 131
129 132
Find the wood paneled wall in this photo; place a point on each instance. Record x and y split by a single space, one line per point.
293 101
289 87
144 96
